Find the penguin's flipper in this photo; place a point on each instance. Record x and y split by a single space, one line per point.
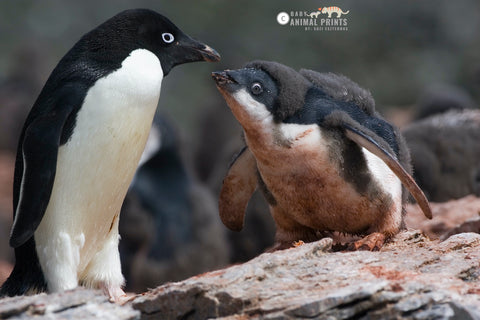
238 187
374 147
36 165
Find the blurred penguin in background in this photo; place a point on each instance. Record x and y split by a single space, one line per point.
445 152
440 98
170 228
444 143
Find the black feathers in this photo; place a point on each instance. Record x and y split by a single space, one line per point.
35 168
341 88
341 101
292 87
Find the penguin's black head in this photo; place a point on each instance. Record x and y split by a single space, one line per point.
273 87
251 93
254 82
147 29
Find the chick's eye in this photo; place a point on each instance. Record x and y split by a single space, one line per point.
167 37
256 88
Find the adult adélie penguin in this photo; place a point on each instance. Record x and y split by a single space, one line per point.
80 146
324 158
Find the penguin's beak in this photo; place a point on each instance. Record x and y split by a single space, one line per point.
209 54
227 80
194 50
222 77
186 50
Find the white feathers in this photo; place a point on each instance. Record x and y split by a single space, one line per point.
79 231
385 178
288 133
104 268
251 108
61 247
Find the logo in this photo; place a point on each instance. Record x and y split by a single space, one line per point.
324 19
283 18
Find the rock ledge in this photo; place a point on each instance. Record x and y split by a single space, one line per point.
410 278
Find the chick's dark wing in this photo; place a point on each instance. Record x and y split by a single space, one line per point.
238 186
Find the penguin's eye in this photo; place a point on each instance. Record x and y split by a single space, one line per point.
167 37
256 88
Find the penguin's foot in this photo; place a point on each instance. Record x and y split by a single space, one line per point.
298 243
372 242
126 297
115 294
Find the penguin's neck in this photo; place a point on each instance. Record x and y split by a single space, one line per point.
138 80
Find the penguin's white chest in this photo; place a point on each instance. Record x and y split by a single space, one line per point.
96 165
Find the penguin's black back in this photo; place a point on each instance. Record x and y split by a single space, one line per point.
73 76
318 106
27 274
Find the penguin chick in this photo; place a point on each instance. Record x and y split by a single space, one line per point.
80 146
323 157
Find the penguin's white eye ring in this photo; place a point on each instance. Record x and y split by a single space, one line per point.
168 37
256 88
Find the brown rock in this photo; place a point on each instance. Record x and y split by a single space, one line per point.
448 217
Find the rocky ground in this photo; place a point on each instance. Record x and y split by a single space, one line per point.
452 217
413 277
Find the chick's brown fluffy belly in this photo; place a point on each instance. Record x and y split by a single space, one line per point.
309 188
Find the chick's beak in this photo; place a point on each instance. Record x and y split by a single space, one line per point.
222 77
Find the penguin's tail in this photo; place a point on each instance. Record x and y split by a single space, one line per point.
27 276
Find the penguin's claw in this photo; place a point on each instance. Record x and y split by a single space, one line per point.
123 299
298 243
116 294
372 242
